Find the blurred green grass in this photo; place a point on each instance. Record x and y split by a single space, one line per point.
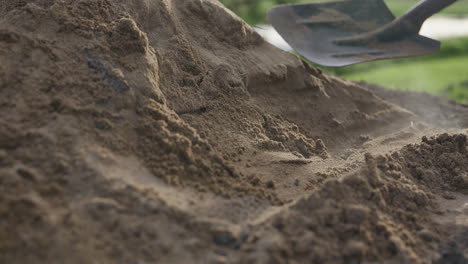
444 73
446 77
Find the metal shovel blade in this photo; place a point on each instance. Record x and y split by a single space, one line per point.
313 30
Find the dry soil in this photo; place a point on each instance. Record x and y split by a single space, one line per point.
168 131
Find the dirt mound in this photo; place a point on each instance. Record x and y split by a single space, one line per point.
168 131
380 213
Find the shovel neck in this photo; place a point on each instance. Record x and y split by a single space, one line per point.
407 25
422 11
411 22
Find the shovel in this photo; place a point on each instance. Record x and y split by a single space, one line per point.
353 31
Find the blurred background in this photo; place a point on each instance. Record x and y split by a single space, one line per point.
444 73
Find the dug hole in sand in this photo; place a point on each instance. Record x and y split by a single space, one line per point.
168 131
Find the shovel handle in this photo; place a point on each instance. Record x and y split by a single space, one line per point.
412 21
423 10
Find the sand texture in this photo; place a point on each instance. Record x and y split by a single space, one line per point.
168 131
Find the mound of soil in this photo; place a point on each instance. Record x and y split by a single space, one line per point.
168 131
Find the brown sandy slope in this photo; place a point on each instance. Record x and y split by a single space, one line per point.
168 131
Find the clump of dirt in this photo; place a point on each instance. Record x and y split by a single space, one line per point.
168 131
382 212
439 162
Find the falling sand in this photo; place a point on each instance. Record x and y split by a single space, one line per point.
168 131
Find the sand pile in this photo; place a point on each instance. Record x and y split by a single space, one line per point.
168 131
382 212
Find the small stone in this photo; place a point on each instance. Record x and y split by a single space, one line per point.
465 209
56 105
270 185
3 155
103 124
319 145
117 73
241 150
464 180
219 257
426 235
224 239
364 138
255 181
355 250
296 182
101 204
26 174
449 196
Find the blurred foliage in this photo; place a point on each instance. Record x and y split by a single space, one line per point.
254 11
444 73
